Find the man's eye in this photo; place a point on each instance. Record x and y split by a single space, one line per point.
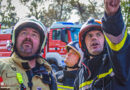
98 34
90 35
24 33
34 35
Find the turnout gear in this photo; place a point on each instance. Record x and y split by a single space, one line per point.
119 52
94 74
115 69
16 77
65 79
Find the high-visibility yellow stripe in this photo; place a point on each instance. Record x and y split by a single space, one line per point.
117 47
62 87
19 78
105 74
99 76
85 83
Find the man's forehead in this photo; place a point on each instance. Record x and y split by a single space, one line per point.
72 51
94 31
29 29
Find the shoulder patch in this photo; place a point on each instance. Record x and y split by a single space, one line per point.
39 88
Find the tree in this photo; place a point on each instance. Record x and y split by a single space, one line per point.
58 10
126 12
7 14
35 8
90 10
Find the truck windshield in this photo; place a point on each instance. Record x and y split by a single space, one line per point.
75 34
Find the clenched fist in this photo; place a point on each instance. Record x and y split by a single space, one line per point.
111 6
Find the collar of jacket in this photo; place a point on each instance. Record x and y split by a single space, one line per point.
70 74
20 62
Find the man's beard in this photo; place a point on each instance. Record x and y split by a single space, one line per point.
29 51
26 46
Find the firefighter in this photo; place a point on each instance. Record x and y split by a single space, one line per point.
106 65
26 69
73 59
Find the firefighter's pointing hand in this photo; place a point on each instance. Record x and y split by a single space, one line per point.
111 6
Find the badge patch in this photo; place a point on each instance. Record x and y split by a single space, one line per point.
39 88
13 68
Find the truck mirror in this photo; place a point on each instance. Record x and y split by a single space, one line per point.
8 45
63 35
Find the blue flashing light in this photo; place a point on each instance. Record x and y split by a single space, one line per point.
65 23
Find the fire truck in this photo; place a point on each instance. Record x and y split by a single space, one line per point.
59 35
5 41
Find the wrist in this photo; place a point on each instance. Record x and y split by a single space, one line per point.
108 13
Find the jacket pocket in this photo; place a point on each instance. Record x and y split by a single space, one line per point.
11 80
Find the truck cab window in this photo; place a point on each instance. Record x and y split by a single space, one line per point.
75 33
66 36
56 35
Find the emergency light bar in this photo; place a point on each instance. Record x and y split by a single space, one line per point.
64 25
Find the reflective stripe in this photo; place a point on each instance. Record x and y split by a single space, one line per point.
62 87
88 83
19 77
87 87
117 47
85 83
105 74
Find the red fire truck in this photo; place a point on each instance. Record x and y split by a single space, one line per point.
59 34
5 39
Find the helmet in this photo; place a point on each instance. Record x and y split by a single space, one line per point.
75 46
32 23
90 25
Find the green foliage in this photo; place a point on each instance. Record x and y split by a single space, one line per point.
87 10
7 15
49 11
125 4
57 10
35 8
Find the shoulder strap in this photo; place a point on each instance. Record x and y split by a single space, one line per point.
53 85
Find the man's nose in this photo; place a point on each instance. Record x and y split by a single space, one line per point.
94 37
28 35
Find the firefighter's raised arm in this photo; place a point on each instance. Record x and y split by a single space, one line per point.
111 6
112 22
118 41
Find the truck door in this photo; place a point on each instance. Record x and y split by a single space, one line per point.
55 42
